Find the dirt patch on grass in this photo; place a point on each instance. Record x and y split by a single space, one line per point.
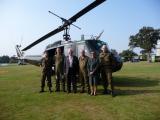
82 110
2 72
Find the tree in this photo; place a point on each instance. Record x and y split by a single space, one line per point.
128 55
13 59
114 51
4 59
146 39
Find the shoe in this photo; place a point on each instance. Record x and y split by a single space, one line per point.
88 91
82 91
95 94
68 92
91 94
50 91
112 93
106 92
41 91
63 89
57 90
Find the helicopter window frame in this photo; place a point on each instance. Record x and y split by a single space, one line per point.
92 44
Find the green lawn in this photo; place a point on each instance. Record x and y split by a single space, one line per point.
137 86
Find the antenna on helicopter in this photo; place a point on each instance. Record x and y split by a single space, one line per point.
92 37
100 34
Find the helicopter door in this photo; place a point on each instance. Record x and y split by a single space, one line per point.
67 47
52 52
79 48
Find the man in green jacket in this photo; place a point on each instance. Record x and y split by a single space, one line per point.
59 69
106 70
46 72
83 73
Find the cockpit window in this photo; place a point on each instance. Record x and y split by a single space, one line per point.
95 45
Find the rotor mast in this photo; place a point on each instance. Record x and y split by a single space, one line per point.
66 35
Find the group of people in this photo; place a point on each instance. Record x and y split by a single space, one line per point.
69 69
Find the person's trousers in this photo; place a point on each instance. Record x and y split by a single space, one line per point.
46 76
106 75
60 79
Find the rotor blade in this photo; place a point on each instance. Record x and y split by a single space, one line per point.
76 26
66 23
63 19
85 10
59 29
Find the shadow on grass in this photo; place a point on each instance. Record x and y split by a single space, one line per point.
129 83
134 92
134 82
119 92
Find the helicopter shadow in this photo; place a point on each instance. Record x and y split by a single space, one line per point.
133 86
134 82
119 92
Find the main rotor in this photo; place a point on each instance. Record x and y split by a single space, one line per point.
66 24
66 35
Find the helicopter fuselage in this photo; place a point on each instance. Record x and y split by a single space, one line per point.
87 45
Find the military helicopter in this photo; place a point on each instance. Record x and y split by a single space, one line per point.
92 44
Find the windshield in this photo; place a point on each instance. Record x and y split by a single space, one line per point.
95 45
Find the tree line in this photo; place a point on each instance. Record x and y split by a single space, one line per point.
146 39
7 59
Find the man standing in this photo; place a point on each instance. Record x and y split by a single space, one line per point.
71 70
106 69
59 70
83 73
46 72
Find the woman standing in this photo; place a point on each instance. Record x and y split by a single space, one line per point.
92 66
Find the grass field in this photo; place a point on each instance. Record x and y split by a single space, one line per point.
137 86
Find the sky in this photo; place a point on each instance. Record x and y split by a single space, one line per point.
24 21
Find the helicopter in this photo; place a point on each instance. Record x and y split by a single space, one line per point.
92 44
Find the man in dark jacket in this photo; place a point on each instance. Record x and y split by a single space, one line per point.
71 70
